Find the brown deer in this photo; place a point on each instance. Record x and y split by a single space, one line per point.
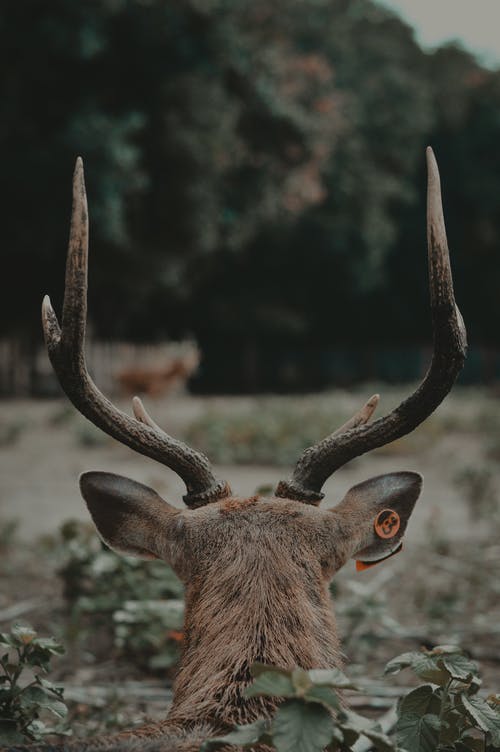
156 381
256 570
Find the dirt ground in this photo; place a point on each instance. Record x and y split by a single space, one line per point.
44 449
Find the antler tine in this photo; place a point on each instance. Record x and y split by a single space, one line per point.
361 417
66 351
317 463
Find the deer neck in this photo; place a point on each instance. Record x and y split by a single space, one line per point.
270 613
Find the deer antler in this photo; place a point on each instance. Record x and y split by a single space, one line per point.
66 352
318 462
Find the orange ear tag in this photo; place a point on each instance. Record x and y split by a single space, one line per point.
387 523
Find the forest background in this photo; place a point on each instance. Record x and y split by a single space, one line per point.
256 180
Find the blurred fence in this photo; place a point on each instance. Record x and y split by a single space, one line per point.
126 368
25 373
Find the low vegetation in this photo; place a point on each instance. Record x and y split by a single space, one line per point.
446 713
28 700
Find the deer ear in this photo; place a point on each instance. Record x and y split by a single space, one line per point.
130 518
377 513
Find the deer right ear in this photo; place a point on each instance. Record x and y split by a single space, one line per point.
375 514
130 518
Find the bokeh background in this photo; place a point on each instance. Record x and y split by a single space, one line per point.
256 184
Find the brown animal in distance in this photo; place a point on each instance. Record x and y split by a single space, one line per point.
156 381
256 570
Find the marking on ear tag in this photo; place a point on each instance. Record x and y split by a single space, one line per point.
387 523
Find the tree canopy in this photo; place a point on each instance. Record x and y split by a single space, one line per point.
255 171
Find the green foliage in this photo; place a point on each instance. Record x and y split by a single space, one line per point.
310 717
25 694
140 600
269 431
234 146
447 714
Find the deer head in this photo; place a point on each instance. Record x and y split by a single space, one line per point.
256 570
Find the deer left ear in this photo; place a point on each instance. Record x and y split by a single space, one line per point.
130 517
376 513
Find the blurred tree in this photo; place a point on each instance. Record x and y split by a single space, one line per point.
255 174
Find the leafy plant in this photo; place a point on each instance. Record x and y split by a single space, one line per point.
140 600
446 713
311 717
24 692
150 631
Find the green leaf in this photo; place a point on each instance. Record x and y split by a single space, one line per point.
242 736
453 723
332 677
400 662
301 727
58 689
446 650
50 644
7 640
324 695
353 725
460 667
37 697
418 733
484 716
429 668
420 701
271 683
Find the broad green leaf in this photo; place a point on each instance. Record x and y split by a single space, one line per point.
459 667
401 661
446 650
37 697
332 677
242 736
301 727
271 683
420 701
324 695
418 733
50 644
7 640
486 717
354 725
428 667
453 723
58 689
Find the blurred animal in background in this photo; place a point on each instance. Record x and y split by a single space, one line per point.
256 570
158 380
